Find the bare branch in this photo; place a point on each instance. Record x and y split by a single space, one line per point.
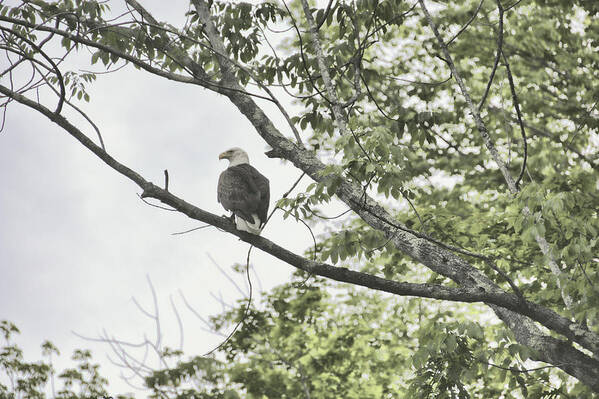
245 311
50 61
224 273
190 230
179 322
208 326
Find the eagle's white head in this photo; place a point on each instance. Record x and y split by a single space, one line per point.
236 156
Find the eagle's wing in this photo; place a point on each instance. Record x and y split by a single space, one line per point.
263 187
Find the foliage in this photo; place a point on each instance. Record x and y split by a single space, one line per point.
314 338
387 115
334 341
22 379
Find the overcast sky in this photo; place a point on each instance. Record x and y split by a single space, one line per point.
77 243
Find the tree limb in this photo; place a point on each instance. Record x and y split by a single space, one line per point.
340 116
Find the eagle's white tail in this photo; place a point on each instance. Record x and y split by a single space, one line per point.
244 225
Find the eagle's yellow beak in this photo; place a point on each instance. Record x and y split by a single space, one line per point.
223 155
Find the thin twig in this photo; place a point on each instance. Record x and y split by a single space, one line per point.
325 15
165 180
313 237
208 327
179 322
225 274
49 59
497 56
293 186
515 370
190 230
141 197
519 114
514 287
467 23
245 312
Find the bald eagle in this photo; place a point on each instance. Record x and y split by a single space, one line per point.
243 191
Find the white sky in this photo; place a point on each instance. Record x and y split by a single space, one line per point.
76 242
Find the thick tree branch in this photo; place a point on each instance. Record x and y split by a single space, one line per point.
551 350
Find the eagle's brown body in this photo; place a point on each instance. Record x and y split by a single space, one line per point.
244 191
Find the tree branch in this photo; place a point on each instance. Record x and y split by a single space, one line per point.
61 97
474 14
499 51
340 116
